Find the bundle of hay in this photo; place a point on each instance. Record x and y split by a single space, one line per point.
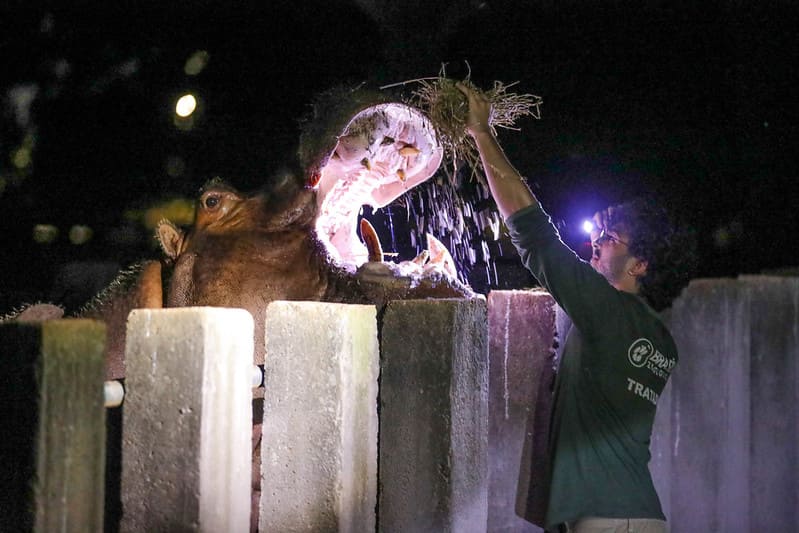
447 108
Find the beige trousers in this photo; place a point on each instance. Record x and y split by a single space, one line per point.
617 525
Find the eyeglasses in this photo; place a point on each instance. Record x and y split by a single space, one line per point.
604 237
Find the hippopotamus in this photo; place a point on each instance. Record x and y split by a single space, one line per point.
299 238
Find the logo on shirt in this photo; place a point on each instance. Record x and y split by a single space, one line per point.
640 351
643 353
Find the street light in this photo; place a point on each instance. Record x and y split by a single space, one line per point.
185 105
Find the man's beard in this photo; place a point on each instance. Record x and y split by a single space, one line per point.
612 270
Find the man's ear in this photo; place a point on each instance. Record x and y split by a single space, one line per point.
170 237
638 270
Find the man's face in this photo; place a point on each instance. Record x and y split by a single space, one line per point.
611 254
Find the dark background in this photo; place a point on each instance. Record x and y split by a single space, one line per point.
693 102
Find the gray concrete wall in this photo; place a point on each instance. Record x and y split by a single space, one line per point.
774 392
725 450
703 424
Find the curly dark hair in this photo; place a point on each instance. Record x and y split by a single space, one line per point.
669 251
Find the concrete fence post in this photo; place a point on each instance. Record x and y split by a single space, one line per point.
319 448
729 433
774 393
433 416
186 457
52 451
522 336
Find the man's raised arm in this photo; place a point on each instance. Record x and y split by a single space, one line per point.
509 190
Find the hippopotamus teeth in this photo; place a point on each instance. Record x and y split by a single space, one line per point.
409 150
435 259
422 258
440 257
372 242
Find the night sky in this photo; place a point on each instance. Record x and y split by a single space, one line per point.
694 102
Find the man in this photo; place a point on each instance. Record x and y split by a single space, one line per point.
617 356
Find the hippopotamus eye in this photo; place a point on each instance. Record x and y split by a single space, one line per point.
212 201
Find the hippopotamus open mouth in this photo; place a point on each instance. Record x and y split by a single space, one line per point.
385 151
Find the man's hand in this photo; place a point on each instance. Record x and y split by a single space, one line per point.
479 116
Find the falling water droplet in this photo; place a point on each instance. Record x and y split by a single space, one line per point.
391 229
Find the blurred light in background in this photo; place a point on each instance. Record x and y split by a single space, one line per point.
79 234
728 235
588 226
186 105
196 63
21 98
21 158
47 23
175 166
44 233
179 211
61 68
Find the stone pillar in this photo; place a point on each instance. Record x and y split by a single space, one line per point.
187 420
710 433
733 419
52 452
663 434
521 333
319 447
433 416
774 415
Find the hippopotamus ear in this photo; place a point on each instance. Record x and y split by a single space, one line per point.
170 237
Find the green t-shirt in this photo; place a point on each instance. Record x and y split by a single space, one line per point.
616 360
